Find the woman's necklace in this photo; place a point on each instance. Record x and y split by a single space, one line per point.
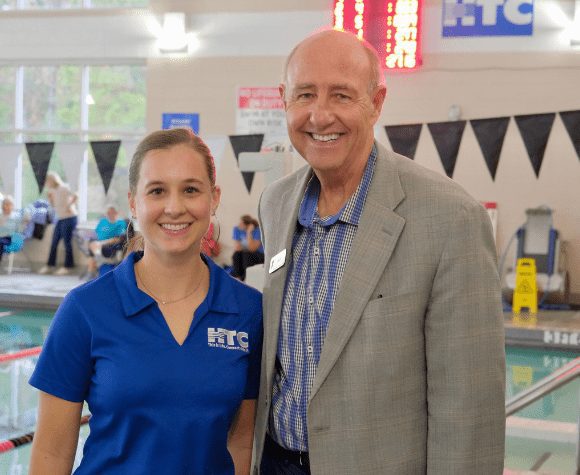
166 302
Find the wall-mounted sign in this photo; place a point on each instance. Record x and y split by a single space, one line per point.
173 121
488 17
393 27
260 110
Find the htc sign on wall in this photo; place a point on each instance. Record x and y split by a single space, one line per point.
488 17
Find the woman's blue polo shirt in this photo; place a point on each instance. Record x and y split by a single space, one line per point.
157 407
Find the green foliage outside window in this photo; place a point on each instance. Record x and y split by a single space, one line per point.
7 90
52 97
119 94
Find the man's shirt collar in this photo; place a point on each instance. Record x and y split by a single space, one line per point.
350 212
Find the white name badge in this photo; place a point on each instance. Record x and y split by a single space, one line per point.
277 261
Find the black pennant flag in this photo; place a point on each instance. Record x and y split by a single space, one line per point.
571 121
404 138
490 134
447 137
39 154
535 130
106 153
246 143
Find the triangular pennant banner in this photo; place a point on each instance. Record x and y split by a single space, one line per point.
404 138
571 121
39 154
130 146
246 143
71 156
9 155
447 137
106 153
217 146
490 134
535 130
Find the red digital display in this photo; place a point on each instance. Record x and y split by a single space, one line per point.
393 27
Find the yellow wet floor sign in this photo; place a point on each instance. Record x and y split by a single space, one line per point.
526 291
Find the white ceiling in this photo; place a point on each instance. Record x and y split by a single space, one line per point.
129 35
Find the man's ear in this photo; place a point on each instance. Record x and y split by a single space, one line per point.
378 99
282 90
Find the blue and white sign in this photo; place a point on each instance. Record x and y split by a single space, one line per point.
488 17
173 121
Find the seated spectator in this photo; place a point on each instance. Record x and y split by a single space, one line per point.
111 238
248 249
11 222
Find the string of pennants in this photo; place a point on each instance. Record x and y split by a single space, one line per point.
534 129
490 133
40 154
106 153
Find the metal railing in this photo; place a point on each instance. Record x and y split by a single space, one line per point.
555 380
545 386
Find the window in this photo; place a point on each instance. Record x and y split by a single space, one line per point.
7 4
49 104
119 96
52 4
118 3
67 4
7 100
52 98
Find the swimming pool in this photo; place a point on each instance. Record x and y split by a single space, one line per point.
544 447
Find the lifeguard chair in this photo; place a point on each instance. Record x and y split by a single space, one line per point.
537 239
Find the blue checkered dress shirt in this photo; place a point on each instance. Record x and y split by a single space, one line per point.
320 250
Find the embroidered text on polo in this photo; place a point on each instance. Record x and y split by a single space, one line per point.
229 339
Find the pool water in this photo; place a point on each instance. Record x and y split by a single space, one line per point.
22 329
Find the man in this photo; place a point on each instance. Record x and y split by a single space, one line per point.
383 341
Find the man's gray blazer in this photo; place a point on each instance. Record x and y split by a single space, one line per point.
411 375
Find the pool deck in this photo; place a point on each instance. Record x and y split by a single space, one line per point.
554 329
34 290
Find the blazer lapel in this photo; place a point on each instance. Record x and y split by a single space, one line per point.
378 231
281 238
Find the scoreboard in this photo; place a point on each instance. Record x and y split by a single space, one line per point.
393 27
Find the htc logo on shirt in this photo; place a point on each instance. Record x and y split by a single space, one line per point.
228 339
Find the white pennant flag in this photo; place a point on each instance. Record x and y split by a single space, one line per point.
217 146
10 154
129 145
71 156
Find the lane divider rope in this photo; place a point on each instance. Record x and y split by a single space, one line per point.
17 355
10 444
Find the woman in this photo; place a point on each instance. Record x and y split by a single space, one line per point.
63 200
248 249
165 348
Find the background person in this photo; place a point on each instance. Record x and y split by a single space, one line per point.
11 221
63 200
166 346
384 339
248 249
111 237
